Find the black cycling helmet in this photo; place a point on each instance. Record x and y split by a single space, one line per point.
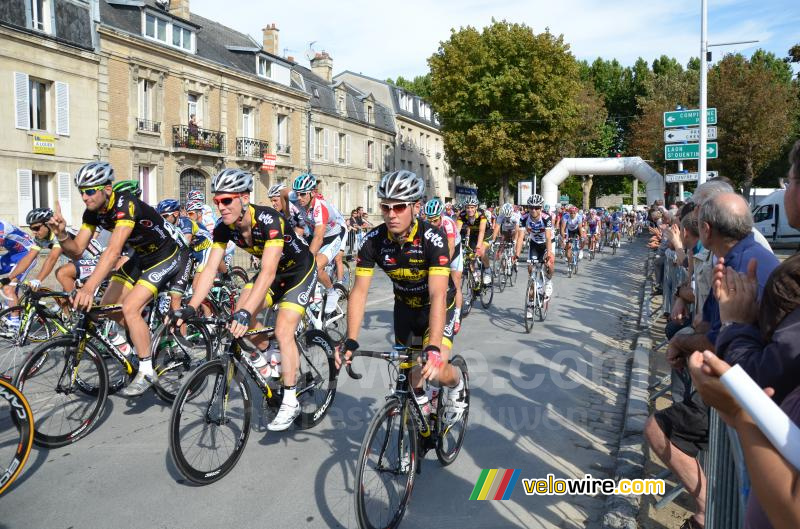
39 216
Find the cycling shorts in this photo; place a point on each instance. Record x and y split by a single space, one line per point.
509 236
457 262
331 245
537 251
413 322
593 229
615 229
9 261
84 268
156 275
293 291
472 243
573 234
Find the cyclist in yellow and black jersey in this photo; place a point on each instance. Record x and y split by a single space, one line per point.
287 277
160 260
415 255
476 224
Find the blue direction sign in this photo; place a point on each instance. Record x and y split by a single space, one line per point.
689 151
688 118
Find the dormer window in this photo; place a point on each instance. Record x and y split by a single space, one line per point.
369 114
181 37
155 28
264 68
167 32
315 92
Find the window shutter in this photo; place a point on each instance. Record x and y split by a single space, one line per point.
325 145
366 154
312 136
22 105
347 157
24 193
62 109
64 183
336 149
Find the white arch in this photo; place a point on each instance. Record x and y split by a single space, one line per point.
633 165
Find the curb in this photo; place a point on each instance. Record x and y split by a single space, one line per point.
621 512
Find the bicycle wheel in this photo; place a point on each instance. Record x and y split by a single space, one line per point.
335 323
209 428
16 433
386 469
15 344
530 293
348 278
174 357
466 291
512 277
450 432
487 293
498 271
239 277
50 378
316 385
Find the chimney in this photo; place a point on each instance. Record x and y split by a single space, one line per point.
290 58
322 65
179 8
271 39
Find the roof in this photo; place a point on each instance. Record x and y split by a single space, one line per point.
73 21
323 99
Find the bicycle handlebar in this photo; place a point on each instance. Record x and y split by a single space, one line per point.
392 356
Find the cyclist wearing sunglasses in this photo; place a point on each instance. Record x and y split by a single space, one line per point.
279 197
287 277
159 261
434 212
43 239
474 221
538 227
328 231
17 262
416 258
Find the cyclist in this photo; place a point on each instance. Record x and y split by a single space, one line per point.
43 239
571 228
207 218
594 222
328 231
287 276
507 224
17 262
434 211
159 261
474 221
616 222
415 256
278 195
538 227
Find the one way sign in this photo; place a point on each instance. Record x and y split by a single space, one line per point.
682 135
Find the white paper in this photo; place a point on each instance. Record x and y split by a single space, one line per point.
770 419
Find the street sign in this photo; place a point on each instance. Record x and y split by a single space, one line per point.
687 195
688 118
564 199
269 162
689 151
693 134
673 178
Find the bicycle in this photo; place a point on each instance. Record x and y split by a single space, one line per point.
398 438
505 269
614 242
629 229
210 421
334 323
572 263
16 433
535 302
472 282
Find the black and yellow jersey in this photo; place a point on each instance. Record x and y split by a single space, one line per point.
48 243
151 235
471 226
407 261
268 228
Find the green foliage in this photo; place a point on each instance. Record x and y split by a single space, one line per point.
420 85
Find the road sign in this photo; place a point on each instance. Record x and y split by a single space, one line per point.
673 178
689 151
269 162
688 118
693 134
564 199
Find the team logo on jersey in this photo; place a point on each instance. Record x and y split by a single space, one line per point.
120 202
130 208
266 218
389 260
443 260
434 238
120 214
146 223
273 233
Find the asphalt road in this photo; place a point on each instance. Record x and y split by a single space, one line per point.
544 402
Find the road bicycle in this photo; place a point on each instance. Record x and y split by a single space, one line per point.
572 261
535 303
16 433
334 323
211 415
505 268
398 438
615 242
472 284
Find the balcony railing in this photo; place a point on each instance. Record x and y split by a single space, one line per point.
251 148
280 148
145 125
186 137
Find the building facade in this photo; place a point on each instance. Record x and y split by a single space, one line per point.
181 97
419 146
48 104
351 138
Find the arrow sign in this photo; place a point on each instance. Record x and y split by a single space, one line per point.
689 151
688 118
693 134
688 177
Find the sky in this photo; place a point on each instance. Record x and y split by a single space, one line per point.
390 38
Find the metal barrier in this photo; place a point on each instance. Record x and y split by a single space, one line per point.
728 485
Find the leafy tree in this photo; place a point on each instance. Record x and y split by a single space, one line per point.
508 101
420 85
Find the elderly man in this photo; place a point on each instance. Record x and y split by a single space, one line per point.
678 433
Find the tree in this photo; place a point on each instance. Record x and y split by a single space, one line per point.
757 106
507 99
420 85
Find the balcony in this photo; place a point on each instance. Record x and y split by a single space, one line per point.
185 137
251 148
281 148
145 125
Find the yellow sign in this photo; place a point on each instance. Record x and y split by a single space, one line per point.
44 144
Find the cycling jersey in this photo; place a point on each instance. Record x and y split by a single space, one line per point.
573 222
201 238
616 220
13 239
268 228
408 262
47 243
322 212
472 226
208 219
451 230
594 223
536 229
296 218
508 224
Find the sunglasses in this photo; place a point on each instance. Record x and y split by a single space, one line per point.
36 227
398 208
434 219
303 193
225 201
166 215
90 191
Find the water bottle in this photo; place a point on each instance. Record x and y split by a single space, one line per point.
424 404
316 302
260 363
275 362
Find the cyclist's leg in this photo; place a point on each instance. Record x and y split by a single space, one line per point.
456 268
339 266
485 260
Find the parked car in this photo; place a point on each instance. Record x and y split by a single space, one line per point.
769 217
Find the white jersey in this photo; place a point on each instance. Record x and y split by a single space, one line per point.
451 230
325 213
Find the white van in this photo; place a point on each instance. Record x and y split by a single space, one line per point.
769 217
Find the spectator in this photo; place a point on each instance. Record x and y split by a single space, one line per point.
193 130
366 224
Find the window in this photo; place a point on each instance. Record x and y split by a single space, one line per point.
320 144
369 199
264 68
763 213
181 37
340 105
193 108
147 182
40 11
282 134
248 123
388 158
342 148
41 190
315 92
155 28
146 99
38 104
369 114
368 155
421 142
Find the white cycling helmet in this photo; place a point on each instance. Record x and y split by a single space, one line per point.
194 205
507 210
275 190
536 201
471 201
232 181
94 174
401 185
